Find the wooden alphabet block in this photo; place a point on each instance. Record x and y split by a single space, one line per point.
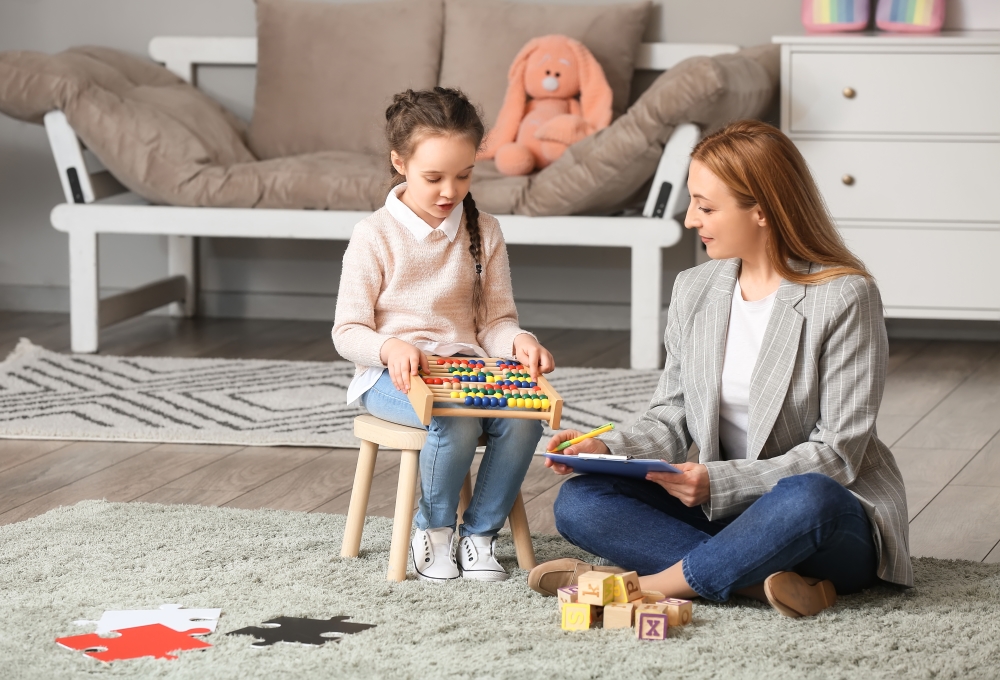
576 616
651 596
651 626
652 608
627 587
567 594
618 615
595 587
679 611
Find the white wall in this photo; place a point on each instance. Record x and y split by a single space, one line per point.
569 287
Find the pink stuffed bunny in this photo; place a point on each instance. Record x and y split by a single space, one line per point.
531 133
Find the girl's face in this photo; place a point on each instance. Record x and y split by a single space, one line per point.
726 229
438 174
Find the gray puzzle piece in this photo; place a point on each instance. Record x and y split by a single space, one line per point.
302 631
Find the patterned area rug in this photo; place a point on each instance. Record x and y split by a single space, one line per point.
46 395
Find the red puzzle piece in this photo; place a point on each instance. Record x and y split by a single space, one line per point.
153 640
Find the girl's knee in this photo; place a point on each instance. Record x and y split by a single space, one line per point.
517 428
463 431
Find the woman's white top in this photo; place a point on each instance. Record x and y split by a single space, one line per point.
363 382
747 323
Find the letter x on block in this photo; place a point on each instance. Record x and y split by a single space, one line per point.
650 626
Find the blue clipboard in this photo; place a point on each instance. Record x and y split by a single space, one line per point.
621 466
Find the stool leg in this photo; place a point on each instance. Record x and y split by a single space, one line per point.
402 521
465 496
518 519
359 499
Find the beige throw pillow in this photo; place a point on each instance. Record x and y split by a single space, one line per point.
326 72
482 37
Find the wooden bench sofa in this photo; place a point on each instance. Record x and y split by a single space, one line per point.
96 204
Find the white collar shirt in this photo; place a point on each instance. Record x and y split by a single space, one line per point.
414 224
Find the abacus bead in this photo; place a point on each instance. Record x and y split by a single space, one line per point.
511 401
468 401
536 403
534 384
545 403
494 401
520 402
440 362
456 395
477 401
464 378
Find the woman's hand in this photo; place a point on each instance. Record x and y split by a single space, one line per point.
535 357
403 360
690 487
592 445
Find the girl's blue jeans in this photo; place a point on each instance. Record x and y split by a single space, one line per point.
447 457
807 523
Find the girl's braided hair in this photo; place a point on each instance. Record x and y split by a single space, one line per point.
414 115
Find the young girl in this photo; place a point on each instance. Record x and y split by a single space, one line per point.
428 274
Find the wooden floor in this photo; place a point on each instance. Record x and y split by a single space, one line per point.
940 415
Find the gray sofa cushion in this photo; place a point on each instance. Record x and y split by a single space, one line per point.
327 71
171 144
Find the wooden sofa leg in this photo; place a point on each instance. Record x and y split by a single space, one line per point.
647 280
84 301
182 258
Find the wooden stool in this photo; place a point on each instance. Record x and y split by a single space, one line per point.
374 432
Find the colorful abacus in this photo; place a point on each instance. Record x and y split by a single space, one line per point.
484 388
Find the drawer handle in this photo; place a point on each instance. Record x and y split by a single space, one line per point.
849 92
847 179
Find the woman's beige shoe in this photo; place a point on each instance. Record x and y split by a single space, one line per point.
549 577
794 596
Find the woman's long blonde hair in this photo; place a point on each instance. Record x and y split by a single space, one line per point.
762 168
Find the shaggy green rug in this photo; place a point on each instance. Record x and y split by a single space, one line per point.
74 562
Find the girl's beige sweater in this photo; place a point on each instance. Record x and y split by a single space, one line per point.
394 285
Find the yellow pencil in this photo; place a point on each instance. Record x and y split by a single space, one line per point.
593 433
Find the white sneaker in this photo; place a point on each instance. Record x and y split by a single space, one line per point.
433 554
475 554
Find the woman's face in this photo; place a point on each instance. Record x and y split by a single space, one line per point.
726 229
438 174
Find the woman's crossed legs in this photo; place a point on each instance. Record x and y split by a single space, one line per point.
807 523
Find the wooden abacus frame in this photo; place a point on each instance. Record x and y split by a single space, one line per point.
423 397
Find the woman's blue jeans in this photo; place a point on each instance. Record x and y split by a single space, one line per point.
807 523
447 456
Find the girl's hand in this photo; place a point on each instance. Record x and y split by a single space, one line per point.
691 487
535 357
403 360
591 445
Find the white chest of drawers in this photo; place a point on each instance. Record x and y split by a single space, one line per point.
902 134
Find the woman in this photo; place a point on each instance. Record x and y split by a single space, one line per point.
776 362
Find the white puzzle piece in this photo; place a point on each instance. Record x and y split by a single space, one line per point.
169 615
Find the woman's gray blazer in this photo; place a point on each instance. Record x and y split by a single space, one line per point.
814 395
